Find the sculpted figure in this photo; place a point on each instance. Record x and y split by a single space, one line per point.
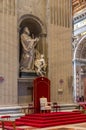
28 50
40 65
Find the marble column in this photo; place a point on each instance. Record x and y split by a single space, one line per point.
59 35
9 52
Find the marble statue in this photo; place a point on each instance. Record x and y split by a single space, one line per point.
40 65
28 50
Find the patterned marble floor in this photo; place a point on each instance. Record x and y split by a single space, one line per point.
80 126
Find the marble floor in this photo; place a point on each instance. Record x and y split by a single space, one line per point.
79 126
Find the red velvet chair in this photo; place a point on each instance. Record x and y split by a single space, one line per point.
31 108
55 106
6 117
83 107
8 125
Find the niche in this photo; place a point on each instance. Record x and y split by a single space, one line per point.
37 29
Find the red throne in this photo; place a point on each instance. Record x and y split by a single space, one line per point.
41 89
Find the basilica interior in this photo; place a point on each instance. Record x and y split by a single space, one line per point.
43 64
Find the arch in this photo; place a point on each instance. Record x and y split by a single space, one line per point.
79 61
80 49
34 21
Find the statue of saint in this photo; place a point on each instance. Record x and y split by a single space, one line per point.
28 51
40 65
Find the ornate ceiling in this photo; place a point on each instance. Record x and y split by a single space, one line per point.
81 49
78 5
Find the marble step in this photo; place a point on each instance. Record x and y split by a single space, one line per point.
13 111
68 107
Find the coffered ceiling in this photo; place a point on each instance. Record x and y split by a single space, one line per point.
78 5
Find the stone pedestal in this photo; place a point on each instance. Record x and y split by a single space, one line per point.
28 74
25 90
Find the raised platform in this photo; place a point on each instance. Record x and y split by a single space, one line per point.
52 119
17 111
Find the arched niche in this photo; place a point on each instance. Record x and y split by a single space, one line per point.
79 67
80 51
37 29
34 22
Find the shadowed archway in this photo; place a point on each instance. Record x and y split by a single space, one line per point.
79 61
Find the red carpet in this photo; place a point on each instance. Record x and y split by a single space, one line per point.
51 119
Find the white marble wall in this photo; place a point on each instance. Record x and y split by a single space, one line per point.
59 50
8 52
56 17
34 7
